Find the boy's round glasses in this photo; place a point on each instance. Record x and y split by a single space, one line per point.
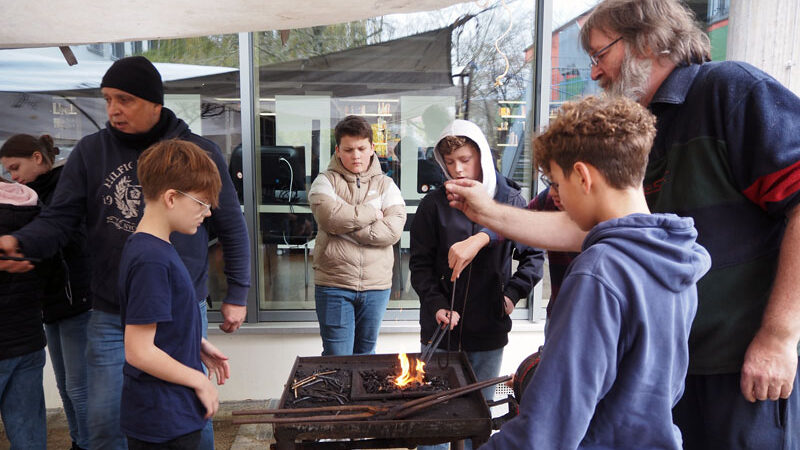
205 205
595 57
548 183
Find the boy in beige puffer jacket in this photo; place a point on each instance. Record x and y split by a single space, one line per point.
360 213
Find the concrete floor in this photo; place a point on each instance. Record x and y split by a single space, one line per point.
227 435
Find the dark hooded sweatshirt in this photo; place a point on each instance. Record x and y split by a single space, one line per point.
21 329
481 288
66 294
616 348
99 183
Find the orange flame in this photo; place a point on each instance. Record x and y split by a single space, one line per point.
409 376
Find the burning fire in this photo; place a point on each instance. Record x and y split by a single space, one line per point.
410 376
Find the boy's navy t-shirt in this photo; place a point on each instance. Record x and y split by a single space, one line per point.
155 287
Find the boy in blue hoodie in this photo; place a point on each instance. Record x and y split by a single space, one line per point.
616 348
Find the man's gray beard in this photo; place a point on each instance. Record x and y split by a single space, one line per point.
634 75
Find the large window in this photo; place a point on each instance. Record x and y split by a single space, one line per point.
41 94
408 75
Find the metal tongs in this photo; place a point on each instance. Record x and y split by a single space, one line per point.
434 341
433 344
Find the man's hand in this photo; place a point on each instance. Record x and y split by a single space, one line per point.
234 316
215 361
469 197
509 305
769 368
770 363
443 318
462 253
9 246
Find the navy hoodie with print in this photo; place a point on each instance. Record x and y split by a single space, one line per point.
616 348
99 183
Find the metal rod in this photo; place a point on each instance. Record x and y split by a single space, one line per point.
433 344
408 408
318 409
398 412
328 418
437 341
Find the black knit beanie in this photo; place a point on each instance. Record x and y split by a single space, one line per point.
135 75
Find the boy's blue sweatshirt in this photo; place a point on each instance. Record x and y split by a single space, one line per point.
99 183
616 348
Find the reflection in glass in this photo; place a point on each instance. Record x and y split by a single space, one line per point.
40 93
408 76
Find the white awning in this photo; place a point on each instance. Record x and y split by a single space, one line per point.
23 71
46 23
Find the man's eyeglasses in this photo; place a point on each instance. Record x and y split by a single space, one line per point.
205 205
595 57
548 183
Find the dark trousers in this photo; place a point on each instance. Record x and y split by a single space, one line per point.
713 414
185 442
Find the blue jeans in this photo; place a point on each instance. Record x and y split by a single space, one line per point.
66 342
22 401
349 321
486 365
106 355
207 434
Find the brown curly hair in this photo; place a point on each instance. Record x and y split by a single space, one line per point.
449 144
180 165
613 134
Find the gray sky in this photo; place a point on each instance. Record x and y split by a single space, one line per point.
566 10
563 11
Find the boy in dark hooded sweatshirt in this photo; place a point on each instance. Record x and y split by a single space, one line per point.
616 348
487 291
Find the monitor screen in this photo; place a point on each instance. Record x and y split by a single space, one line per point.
429 174
283 177
283 168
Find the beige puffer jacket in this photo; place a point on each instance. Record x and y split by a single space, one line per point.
353 249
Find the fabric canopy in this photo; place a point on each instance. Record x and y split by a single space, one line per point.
25 71
45 23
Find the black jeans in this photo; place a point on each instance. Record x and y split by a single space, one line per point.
185 442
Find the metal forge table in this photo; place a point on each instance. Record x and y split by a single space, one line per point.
465 417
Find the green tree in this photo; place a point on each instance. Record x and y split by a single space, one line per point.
214 50
315 41
223 50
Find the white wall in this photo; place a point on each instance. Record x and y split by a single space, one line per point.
766 33
261 359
